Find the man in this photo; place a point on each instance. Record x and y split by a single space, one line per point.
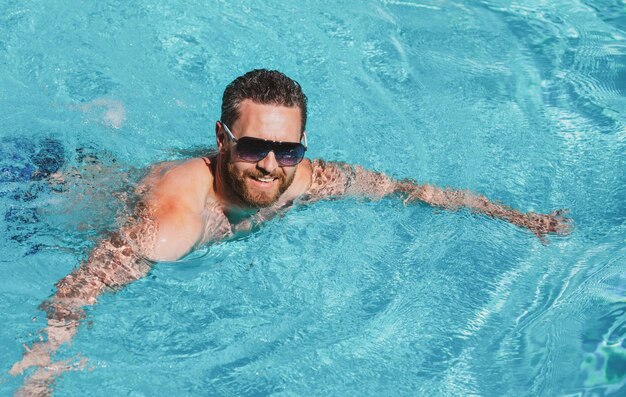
259 169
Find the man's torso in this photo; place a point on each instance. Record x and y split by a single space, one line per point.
183 200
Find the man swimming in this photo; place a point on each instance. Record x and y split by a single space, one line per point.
258 170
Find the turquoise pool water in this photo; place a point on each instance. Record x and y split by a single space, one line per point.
522 101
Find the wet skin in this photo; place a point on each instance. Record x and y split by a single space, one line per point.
192 202
189 203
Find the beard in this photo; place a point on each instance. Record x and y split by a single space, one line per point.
238 181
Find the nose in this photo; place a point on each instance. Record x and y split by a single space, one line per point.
268 163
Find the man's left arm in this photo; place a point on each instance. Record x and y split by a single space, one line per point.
539 224
336 179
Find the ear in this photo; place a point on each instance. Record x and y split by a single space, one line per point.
220 136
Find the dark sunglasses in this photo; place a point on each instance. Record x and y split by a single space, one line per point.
253 150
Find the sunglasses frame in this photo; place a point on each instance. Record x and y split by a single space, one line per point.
231 136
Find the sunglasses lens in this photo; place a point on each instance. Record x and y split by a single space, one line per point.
289 154
252 150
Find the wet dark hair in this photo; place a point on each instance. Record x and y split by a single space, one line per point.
267 87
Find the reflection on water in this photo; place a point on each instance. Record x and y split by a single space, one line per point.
48 187
521 101
605 363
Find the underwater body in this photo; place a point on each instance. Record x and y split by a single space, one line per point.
520 101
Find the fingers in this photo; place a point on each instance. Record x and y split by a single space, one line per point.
36 356
411 197
16 369
566 227
563 224
556 222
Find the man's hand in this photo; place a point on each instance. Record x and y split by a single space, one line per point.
161 229
333 179
543 224
540 224
115 262
40 382
39 354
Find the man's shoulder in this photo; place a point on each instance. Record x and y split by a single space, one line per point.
176 195
182 170
183 181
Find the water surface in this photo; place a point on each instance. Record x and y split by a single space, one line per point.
521 101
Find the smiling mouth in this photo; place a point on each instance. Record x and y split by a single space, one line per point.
263 179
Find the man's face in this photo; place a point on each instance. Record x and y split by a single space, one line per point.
260 184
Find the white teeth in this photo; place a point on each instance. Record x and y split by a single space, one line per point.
265 179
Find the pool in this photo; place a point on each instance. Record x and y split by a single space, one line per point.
520 101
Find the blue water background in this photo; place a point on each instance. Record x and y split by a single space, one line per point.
522 101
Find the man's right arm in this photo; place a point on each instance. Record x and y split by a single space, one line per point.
115 261
163 228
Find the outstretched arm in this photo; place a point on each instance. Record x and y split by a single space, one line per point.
539 224
335 179
331 179
168 222
115 262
